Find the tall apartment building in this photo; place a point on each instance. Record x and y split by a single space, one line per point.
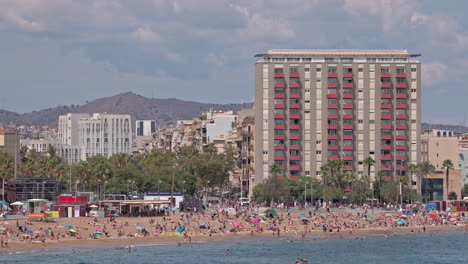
318 105
145 128
98 134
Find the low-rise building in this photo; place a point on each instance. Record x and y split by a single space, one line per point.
10 142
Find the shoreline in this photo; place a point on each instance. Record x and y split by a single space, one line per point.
175 240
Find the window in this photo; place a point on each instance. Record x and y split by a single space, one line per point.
293 70
347 70
413 101
360 69
278 70
400 70
360 121
318 69
307 90
413 80
331 69
348 60
319 80
318 142
413 69
318 152
385 70
307 69
413 90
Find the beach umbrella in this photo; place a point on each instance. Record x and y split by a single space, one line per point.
455 215
442 213
17 203
116 214
255 221
109 215
400 222
227 209
140 227
202 224
93 206
68 226
37 232
97 232
301 215
4 223
408 213
236 223
2 228
433 215
28 231
97 227
72 230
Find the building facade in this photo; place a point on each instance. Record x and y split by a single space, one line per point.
10 143
68 133
463 159
145 128
312 106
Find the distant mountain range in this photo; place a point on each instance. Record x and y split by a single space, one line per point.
164 111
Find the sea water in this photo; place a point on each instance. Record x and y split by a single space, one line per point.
451 247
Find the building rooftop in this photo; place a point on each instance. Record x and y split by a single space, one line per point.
350 52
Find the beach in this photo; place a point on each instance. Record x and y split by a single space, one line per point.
214 224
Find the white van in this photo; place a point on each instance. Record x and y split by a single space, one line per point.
244 201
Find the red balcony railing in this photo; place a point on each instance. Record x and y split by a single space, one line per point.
333 106
294 147
332 85
279 147
385 75
347 136
386 137
294 168
386 167
332 136
294 96
333 126
295 136
279 85
386 157
348 75
400 116
332 157
401 106
348 168
294 116
348 147
347 157
401 85
279 96
401 96
386 116
332 147
387 178
332 96
386 85
401 137
348 96
401 147
401 127
348 126
294 126
348 106
279 106
332 75
279 158
279 75
279 126
332 116
401 75
401 168
294 106
294 74
386 106
386 96
400 157
294 158
348 85
386 127
279 136
294 85
386 147
279 116
347 116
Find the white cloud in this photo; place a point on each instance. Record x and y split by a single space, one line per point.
176 57
433 72
24 24
146 34
216 60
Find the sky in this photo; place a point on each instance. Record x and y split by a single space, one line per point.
62 52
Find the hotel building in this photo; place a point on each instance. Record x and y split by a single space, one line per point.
312 106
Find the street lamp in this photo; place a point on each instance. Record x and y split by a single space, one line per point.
305 192
183 188
76 185
104 190
98 189
206 192
159 182
43 191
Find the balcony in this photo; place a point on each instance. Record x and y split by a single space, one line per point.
401 85
332 96
279 127
294 147
332 157
401 168
332 85
401 96
294 116
347 157
386 147
386 96
279 106
386 106
386 157
385 116
348 85
386 167
348 96
332 137
386 85
279 75
386 137
400 157
348 126
332 106
348 168
294 168
333 126
279 85
348 106
294 96
332 116
401 147
386 127
348 147
347 136
401 137
387 178
348 75
295 137
401 106
279 96
294 85
279 158
279 136
294 106
294 74
401 75
385 75
294 127
279 116
401 127
332 147
347 116
332 75
279 147
294 158
400 116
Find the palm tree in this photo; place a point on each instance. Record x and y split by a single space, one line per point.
424 168
6 170
380 174
448 165
335 166
412 168
275 169
369 162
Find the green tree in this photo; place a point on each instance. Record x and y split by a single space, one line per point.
464 191
257 193
424 168
448 165
452 196
275 189
369 162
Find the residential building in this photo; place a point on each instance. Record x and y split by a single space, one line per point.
463 159
68 132
145 130
437 146
312 106
10 143
40 145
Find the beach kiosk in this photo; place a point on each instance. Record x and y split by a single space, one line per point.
37 207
